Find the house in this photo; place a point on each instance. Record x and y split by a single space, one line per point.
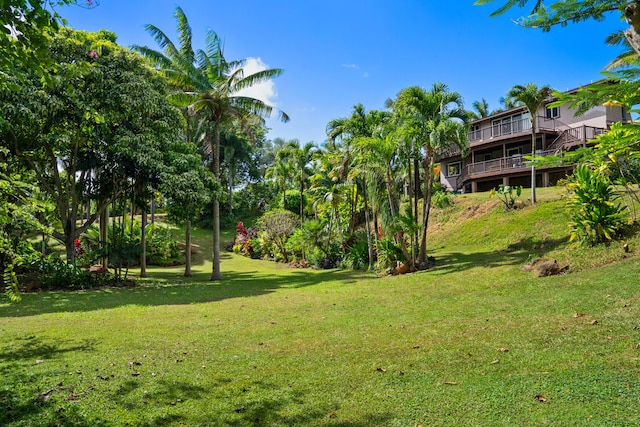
499 142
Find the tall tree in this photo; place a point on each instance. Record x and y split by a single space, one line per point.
301 158
532 97
281 173
102 109
188 186
480 109
211 85
437 119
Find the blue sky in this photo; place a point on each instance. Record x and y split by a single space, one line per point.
338 53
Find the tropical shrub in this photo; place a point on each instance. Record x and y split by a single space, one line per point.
596 215
298 246
442 198
507 195
275 227
356 252
389 253
125 246
292 201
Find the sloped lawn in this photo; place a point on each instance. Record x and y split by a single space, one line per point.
476 341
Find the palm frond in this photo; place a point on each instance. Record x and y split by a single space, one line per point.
184 34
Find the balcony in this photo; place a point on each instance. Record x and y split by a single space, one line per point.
500 129
502 165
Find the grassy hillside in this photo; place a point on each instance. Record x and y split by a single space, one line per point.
475 341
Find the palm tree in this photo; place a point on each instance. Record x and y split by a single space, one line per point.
480 109
280 172
209 85
437 119
301 158
532 97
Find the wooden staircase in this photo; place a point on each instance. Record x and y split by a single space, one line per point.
572 137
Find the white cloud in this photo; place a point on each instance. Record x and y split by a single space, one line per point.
265 91
355 67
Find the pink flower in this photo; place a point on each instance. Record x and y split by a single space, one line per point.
93 54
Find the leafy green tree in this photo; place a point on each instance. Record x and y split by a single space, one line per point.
563 12
97 122
188 186
210 85
24 36
532 97
19 205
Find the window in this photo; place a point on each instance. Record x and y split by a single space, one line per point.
454 169
552 112
510 125
475 132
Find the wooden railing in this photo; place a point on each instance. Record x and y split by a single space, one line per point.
578 134
503 164
511 128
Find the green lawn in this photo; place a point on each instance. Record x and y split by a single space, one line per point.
473 342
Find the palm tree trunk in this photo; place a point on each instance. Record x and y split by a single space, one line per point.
230 189
367 224
399 238
426 208
533 168
215 271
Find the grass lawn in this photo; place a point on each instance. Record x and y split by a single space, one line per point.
473 342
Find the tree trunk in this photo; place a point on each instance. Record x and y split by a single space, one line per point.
632 15
398 236
153 206
104 235
533 168
215 272
426 208
70 248
187 253
367 224
143 244
230 191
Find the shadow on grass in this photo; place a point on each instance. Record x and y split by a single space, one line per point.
235 284
32 348
26 403
518 253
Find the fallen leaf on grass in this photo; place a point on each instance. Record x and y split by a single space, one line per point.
540 398
135 374
451 383
39 361
495 361
593 322
503 349
579 315
381 370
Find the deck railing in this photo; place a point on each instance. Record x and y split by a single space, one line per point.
503 164
510 128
